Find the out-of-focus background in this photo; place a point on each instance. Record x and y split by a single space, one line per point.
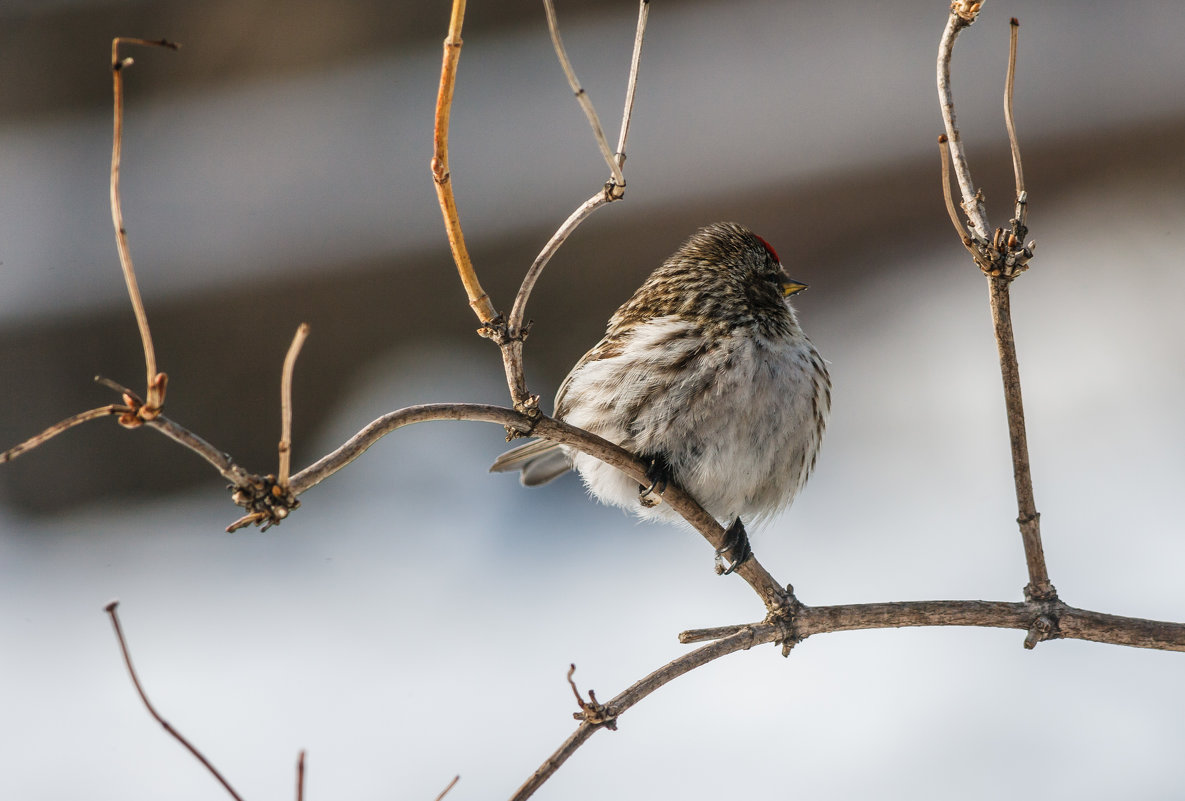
415 618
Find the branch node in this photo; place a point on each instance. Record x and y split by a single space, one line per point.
1043 628
591 711
267 502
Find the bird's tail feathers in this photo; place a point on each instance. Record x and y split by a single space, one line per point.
539 460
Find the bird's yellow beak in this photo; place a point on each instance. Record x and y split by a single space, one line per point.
792 287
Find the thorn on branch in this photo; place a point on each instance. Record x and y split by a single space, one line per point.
591 711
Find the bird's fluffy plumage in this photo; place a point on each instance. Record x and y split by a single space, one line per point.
706 369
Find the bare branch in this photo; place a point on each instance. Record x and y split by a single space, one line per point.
973 205
450 786
778 600
183 436
59 427
1009 123
127 659
1028 518
300 776
946 196
518 312
581 95
638 691
614 190
632 84
155 381
479 301
1042 621
302 333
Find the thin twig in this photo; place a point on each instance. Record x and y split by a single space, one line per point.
300 776
154 397
944 157
59 427
1028 518
607 195
635 693
972 204
302 333
519 310
479 301
219 459
450 786
1009 123
582 96
632 83
127 659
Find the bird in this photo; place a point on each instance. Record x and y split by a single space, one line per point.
706 375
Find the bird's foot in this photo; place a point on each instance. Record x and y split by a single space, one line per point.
736 548
659 476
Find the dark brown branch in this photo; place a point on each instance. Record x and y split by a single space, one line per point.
127 660
300 776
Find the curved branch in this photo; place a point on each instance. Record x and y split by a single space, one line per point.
155 392
778 600
479 301
518 312
972 204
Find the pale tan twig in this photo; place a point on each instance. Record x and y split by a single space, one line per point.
582 96
479 301
1001 258
127 659
1009 123
300 776
632 84
302 333
154 397
450 786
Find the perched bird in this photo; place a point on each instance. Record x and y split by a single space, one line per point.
706 375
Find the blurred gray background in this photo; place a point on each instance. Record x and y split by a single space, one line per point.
415 618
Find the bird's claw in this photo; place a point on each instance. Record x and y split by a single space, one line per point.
736 548
659 476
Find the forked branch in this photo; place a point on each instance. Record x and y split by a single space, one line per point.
1002 257
155 381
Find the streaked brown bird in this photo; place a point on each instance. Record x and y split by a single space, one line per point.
705 374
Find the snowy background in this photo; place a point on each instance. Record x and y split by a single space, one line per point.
415 618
